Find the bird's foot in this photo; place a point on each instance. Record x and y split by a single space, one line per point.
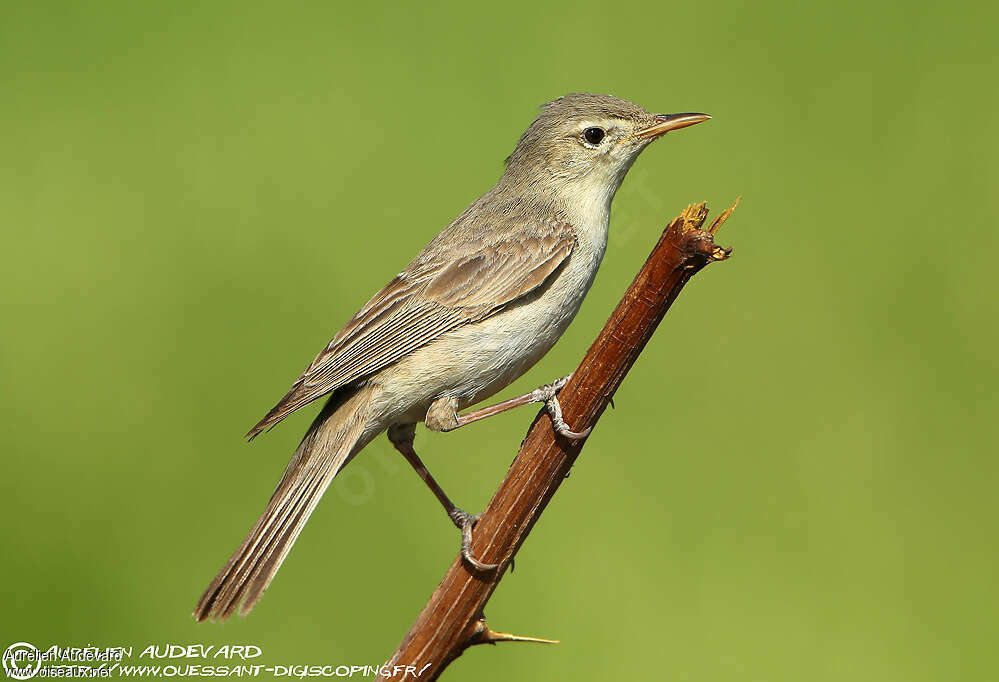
542 394
465 522
548 394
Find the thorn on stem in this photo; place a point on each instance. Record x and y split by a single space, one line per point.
485 635
491 637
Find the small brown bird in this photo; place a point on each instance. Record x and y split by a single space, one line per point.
480 305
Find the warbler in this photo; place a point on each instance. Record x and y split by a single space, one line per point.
476 308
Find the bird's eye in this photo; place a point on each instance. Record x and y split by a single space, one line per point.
594 135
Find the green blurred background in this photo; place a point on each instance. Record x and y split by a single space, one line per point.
799 480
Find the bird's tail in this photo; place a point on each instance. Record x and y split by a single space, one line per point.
332 440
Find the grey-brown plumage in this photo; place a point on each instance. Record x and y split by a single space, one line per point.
485 299
327 446
472 269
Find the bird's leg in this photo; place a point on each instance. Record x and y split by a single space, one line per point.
402 436
442 415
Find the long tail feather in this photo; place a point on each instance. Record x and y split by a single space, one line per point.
330 442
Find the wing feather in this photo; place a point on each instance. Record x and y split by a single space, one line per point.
456 280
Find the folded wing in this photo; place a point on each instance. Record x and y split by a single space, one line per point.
448 285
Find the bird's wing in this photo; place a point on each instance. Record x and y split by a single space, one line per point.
448 285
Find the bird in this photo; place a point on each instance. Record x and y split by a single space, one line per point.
473 311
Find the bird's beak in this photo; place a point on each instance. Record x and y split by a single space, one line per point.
667 122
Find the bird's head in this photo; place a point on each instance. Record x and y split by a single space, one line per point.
585 143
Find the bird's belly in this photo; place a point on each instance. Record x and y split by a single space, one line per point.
488 356
477 360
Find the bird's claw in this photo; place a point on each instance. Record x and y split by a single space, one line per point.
549 396
465 522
